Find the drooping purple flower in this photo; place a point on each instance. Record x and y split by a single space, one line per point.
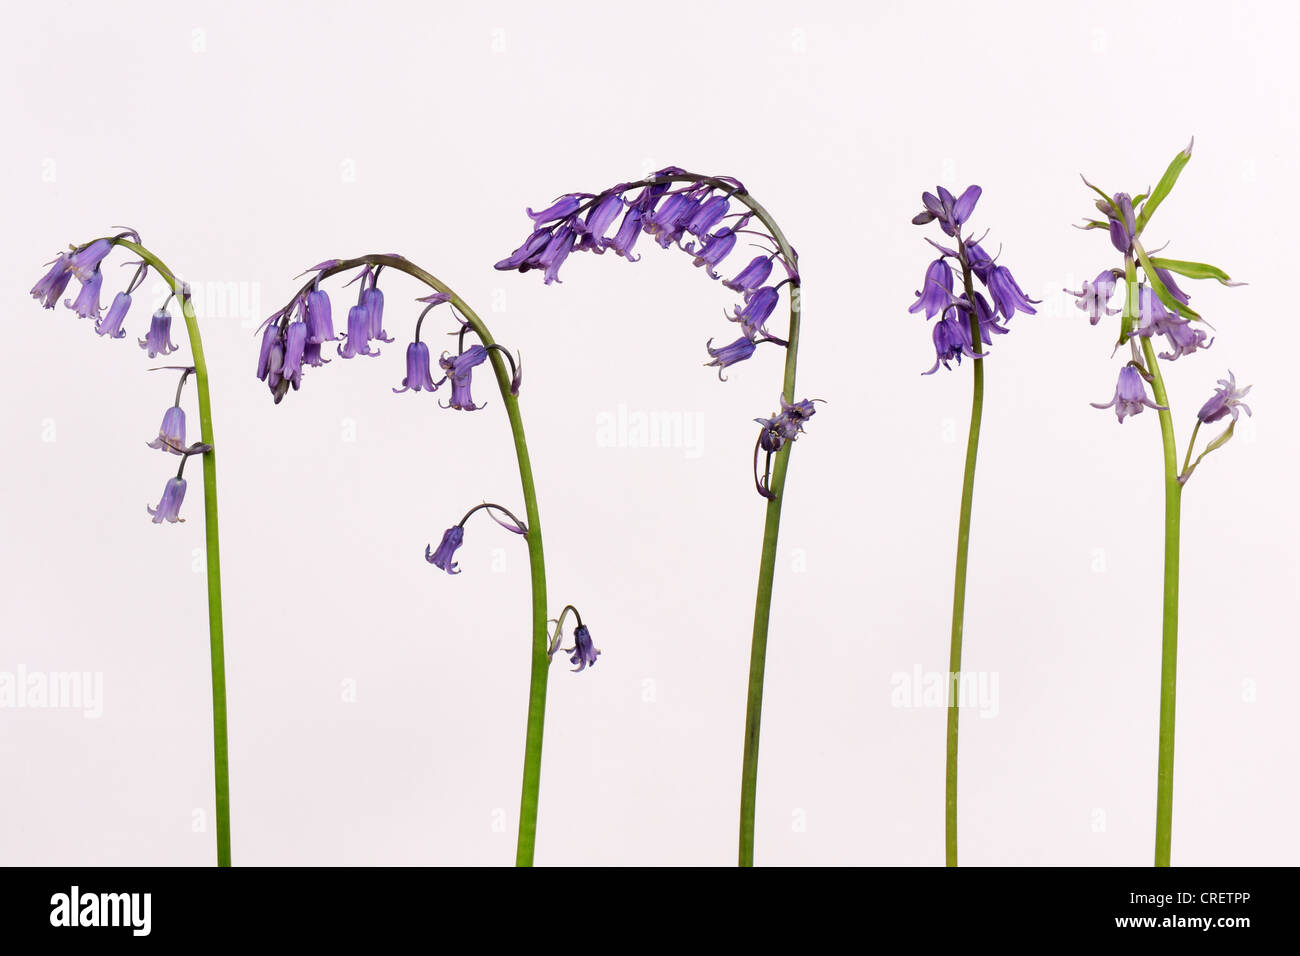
667 223
1226 400
170 506
598 221
728 355
583 653
171 434
935 294
270 338
715 247
372 300
1007 295
1130 395
87 304
418 374
981 263
459 369
562 208
988 319
85 262
1123 226
358 337
50 288
556 251
757 310
295 345
523 257
158 340
711 212
1094 297
111 323
628 232
319 317
952 340
752 276
1184 338
445 556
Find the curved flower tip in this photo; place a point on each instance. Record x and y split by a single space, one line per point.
752 276
171 434
1007 294
111 322
1226 400
1130 395
169 507
158 340
583 653
445 556
357 342
728 355
51 286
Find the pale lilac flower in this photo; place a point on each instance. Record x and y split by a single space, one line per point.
170 506
1094 297
1130 395
85 261
87 304
171 434
51 285
158 340
111 323
1226 400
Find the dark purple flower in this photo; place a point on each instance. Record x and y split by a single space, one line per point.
1130 394
668 222
358 337
170 506
295 345
628 233
752 276
445 556
418 374
1171 285
583 652
1007 295
935 294
319 318
111 323
372 300
1226 400
772 436
459 369
87 304
952 340
85 261
1095 296
598 221
980 262
715 247
950 212
757 310
270 339
158 340
171 434
562 208
727 355
711 212
523 257
556 251
51 285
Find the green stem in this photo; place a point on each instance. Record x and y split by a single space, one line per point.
959 575
540 662
1169 631
220 744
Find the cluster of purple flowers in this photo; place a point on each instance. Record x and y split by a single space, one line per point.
84 263
294 338
1156 306
774 432
952 336
693 213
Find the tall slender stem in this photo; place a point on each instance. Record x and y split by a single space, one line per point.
220 744
959 573
1169 628
539 666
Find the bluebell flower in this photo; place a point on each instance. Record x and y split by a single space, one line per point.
583 653
757 310
556 251
49 289
728 355
752 276
935 294
562 208
1007 295
171 434
295 345
271 337
111 323
599 219
319 317
951 341
1130 395
624 241
85 261
1094 297
357 341
715 247
419 376
1123 225
445 556
1226 400
711 212
158 340
458 369
524 257
372 300
87 303
169 506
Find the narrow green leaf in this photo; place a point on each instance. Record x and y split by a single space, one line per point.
1164 186
1163 294
1193 270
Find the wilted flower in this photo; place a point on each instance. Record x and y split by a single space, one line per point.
459 369
169 507
1130 394
1226 400
583 653
158 340
171 434
444 557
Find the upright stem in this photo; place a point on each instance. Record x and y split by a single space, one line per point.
539 666
766 566
220 745
1169 630
959 575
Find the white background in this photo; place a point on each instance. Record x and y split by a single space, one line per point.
247 141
